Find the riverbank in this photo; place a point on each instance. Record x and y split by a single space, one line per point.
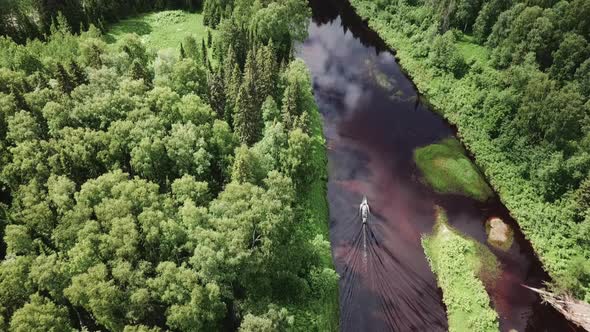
549 226
315 204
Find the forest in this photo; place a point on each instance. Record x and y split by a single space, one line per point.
147 190
514 78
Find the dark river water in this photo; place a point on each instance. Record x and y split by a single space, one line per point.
373 121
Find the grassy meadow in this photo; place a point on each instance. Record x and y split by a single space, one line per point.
472 51
161 30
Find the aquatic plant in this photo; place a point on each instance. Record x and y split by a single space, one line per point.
462 265
448 170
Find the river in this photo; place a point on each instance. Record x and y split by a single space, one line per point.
373 120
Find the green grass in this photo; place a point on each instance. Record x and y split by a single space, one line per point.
161 30
471 51
460 265
448 170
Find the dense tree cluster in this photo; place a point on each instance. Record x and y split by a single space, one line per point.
514 76
145 192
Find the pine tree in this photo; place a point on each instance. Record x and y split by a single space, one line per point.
232 89
209 38
91 54
228 65
237 38
251 72
217 93
61 25
246 123
248 118
204 52
208 13
267 78
232 79
64 80
21 103
138 72
192 49
209 66
290 105
182 52
77 73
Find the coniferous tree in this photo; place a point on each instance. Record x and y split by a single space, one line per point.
60 24
182 52
204 52
91 51
138 72
228 65
191 48
21 103
209 9
232 80
248 118
267 68
234 36
232 90
77 73
63 79
290 105
217 93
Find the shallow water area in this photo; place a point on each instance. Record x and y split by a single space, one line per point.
373 121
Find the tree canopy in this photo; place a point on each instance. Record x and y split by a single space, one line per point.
146 191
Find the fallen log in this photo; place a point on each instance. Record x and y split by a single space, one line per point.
576 311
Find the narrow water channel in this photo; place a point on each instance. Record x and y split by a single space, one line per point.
373 121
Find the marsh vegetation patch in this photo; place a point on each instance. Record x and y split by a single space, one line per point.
447 169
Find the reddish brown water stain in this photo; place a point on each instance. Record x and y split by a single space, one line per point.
373 121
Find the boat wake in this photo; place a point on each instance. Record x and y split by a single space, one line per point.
377 290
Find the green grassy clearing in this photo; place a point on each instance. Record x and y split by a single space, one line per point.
448 170
460 264
471 51
161 30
